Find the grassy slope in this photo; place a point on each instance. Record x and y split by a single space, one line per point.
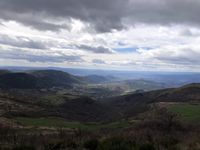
188 112
62 123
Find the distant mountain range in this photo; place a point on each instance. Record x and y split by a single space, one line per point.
45 79
99 79
173 79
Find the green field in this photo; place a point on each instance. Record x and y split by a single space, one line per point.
62 123
188 112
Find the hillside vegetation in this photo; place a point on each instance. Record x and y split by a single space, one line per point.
63 111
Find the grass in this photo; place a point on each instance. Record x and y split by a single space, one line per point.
62 123
188 112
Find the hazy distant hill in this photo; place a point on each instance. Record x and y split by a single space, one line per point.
98 78
171 79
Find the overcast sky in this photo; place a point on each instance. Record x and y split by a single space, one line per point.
156 35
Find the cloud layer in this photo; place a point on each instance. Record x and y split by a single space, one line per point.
123 34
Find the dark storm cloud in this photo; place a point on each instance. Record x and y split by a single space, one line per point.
22 42
40 24
166 11
18 54
98 49
103 15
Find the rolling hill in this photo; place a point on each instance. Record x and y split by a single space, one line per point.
37 79
4 71
187 93
132 104
53 78
18 80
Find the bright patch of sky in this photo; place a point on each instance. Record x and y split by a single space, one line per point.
126 49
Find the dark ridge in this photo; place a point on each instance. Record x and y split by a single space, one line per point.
53 78
4 72
38 79
18 80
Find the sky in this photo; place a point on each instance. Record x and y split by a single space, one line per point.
143 35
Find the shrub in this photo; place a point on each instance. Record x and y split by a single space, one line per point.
24 147
146 147
91 144
115 144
